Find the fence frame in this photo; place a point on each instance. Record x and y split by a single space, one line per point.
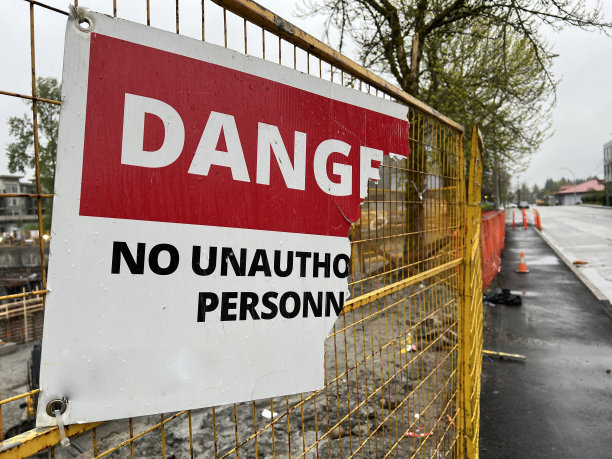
470 317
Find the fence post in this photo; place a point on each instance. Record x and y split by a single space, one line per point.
462 223
25 317
470 313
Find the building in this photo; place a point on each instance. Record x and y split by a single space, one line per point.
572 194
17 213
608 167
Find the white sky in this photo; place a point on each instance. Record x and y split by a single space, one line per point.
582 118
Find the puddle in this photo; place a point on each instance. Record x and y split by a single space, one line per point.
545 260
520 293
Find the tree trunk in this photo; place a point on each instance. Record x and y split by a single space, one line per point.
415 63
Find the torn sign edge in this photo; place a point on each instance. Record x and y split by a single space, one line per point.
76 76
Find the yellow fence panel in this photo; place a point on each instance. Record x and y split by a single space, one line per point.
471 314
402 363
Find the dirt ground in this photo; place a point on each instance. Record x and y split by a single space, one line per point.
14 381
375 388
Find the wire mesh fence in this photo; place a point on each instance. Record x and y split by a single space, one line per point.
402 362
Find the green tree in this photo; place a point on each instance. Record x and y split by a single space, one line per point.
500 89
551 186
525 194
20 153
536 192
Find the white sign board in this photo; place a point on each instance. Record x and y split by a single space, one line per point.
199 249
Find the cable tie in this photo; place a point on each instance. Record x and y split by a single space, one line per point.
65 441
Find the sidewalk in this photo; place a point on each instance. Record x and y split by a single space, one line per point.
583 233
558 402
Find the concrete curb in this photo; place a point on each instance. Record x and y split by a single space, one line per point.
596 206
605 303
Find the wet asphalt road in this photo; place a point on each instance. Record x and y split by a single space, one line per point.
557 404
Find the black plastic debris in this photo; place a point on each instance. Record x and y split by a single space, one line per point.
503 296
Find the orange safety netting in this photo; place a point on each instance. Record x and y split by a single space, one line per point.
493 231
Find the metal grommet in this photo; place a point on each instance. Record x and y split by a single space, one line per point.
57 404
78 22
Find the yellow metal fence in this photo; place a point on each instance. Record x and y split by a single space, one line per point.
402 363
471 318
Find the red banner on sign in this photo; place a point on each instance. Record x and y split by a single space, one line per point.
174 139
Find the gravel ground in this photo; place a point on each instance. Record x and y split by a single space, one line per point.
417 383
14 381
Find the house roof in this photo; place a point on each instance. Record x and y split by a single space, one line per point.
591 185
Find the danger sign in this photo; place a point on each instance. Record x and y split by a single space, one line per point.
203 201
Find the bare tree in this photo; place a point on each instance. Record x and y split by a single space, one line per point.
479 62
396 34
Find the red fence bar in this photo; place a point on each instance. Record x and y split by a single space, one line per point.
492 237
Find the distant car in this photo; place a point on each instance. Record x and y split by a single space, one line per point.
523 205
511 206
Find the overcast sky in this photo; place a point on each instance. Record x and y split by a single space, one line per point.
582 118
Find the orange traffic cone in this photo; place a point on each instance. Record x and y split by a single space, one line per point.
522 267
513 223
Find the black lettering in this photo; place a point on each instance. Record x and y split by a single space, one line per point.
248 301
316 306
227 304
267 302
135 266
227 253
260 263
207 301
337 260
317 264
154 259
303 256
330 299
282 304
277 264
195 261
